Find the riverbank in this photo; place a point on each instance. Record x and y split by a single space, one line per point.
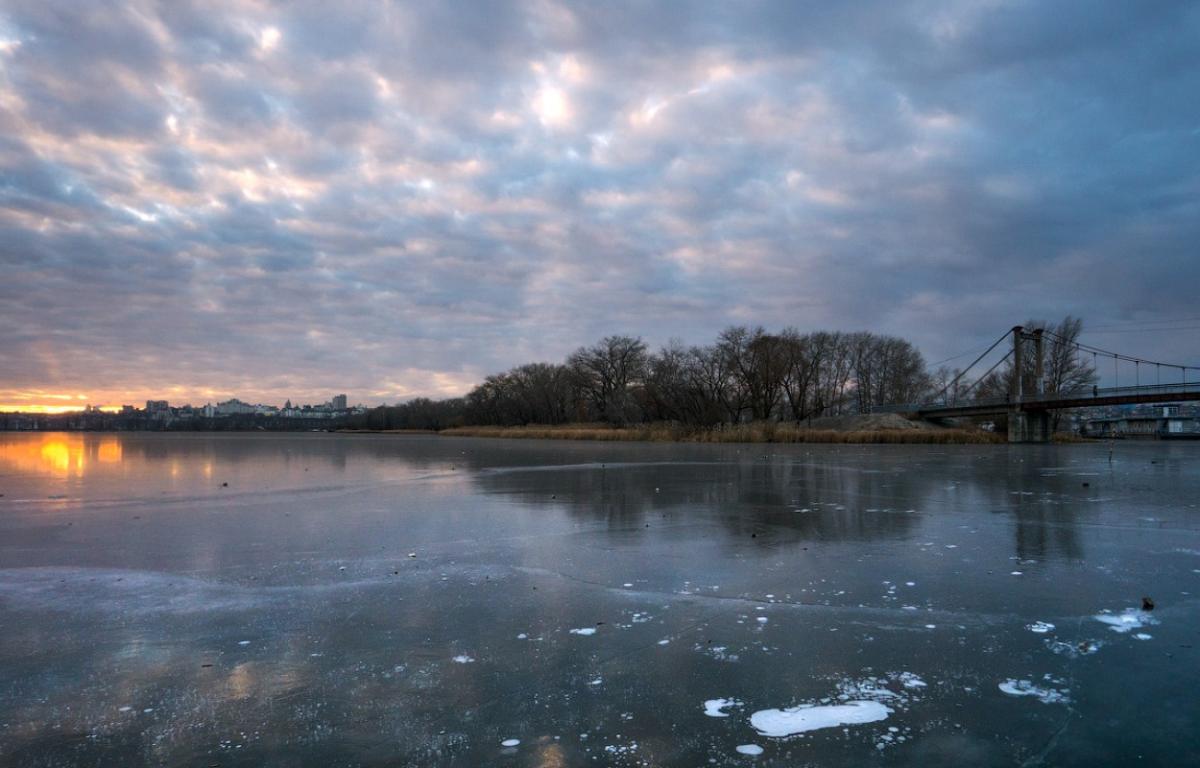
758 432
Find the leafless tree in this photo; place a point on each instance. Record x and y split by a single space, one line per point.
606 372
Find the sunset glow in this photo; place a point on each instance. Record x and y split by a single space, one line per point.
276 201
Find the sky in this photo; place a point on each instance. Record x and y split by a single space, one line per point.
201 200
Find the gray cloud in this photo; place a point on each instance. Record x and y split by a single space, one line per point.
287 200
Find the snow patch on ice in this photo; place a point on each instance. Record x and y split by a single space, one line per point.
1027 688
1126 621
910 681
749 749
1040 627
1074 650
584 631
510 742
463 659
718 652
811 717
713 707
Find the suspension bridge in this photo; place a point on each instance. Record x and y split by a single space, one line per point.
1031 397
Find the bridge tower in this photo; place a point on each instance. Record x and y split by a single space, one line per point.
1027 423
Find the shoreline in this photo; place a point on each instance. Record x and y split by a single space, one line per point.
742 433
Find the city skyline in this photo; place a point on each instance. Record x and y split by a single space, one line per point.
286 199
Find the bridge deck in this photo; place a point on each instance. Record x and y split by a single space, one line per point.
1150 393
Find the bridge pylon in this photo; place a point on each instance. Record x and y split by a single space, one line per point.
1026 425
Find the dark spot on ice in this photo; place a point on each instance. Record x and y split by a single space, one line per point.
1147 604
224 485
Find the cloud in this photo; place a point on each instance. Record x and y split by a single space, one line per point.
286 200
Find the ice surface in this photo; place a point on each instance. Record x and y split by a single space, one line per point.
498 561
811 717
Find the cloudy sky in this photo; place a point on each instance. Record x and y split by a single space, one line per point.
200 200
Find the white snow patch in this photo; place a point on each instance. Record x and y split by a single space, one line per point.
749 749
1124 622
463 659
510 742
1040 627
1027 688
522 636
811 717
1142 636
243 642
713 707
665 641
910 681
584 631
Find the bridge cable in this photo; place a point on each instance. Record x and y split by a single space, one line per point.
1115 355
988 372
963 372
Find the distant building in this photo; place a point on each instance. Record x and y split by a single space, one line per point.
339 402
1164 421
157 406
233 407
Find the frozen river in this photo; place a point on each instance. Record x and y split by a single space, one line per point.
324 600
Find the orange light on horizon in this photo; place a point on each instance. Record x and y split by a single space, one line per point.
52 409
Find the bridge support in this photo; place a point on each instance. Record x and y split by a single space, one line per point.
1028 426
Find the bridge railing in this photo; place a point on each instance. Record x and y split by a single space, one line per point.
1085 393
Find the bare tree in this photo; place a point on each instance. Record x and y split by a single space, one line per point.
606 372
759 363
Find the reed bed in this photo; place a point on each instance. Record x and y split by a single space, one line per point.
760 432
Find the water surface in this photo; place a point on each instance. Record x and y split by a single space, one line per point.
324 600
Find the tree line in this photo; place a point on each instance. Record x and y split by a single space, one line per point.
746 374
